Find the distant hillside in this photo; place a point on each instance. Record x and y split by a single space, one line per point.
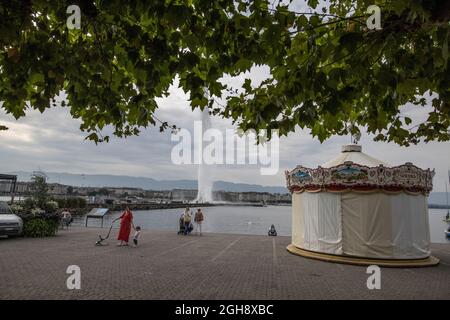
94 180
97 180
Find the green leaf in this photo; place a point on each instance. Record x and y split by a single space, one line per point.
302 21
408 120
313 3
314 20
37 78
445 49
247 85
350 40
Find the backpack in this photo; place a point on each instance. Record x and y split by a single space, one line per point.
198 217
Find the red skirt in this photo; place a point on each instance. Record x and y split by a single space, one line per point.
125 227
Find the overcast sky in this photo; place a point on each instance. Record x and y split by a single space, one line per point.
53 142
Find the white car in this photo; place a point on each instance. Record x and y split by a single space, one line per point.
10 224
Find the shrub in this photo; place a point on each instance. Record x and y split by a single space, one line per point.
40 224
28 203
39 189
16 209
61 202
37 211
81 203
51 206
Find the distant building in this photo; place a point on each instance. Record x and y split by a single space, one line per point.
57 189
138 195
21 187
183 195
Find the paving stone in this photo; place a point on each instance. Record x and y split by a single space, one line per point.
213 266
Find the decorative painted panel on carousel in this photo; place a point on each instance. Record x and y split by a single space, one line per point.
350 176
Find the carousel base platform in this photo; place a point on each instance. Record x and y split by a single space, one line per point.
412 263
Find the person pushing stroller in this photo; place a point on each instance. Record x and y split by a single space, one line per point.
185 223
181 224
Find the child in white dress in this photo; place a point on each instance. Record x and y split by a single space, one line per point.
137 233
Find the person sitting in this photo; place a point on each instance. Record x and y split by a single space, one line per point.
272 232
66 218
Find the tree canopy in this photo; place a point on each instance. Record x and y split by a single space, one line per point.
327 68
39 190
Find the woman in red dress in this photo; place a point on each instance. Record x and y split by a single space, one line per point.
126 222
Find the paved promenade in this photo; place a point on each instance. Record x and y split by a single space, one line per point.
214 266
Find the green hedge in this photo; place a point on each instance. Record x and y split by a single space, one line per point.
42 225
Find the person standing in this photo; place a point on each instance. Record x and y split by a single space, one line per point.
126 222
187 221
137 233
198 219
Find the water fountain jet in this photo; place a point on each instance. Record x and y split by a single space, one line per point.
205 174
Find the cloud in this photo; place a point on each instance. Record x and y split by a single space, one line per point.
53 142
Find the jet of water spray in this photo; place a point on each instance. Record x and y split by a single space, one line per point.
205 173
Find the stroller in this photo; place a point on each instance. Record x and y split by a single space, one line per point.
183 227
101 239
181 231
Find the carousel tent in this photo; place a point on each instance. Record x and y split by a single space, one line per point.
358 206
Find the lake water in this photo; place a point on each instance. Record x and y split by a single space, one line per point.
241 220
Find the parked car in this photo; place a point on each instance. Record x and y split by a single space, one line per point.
10 224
